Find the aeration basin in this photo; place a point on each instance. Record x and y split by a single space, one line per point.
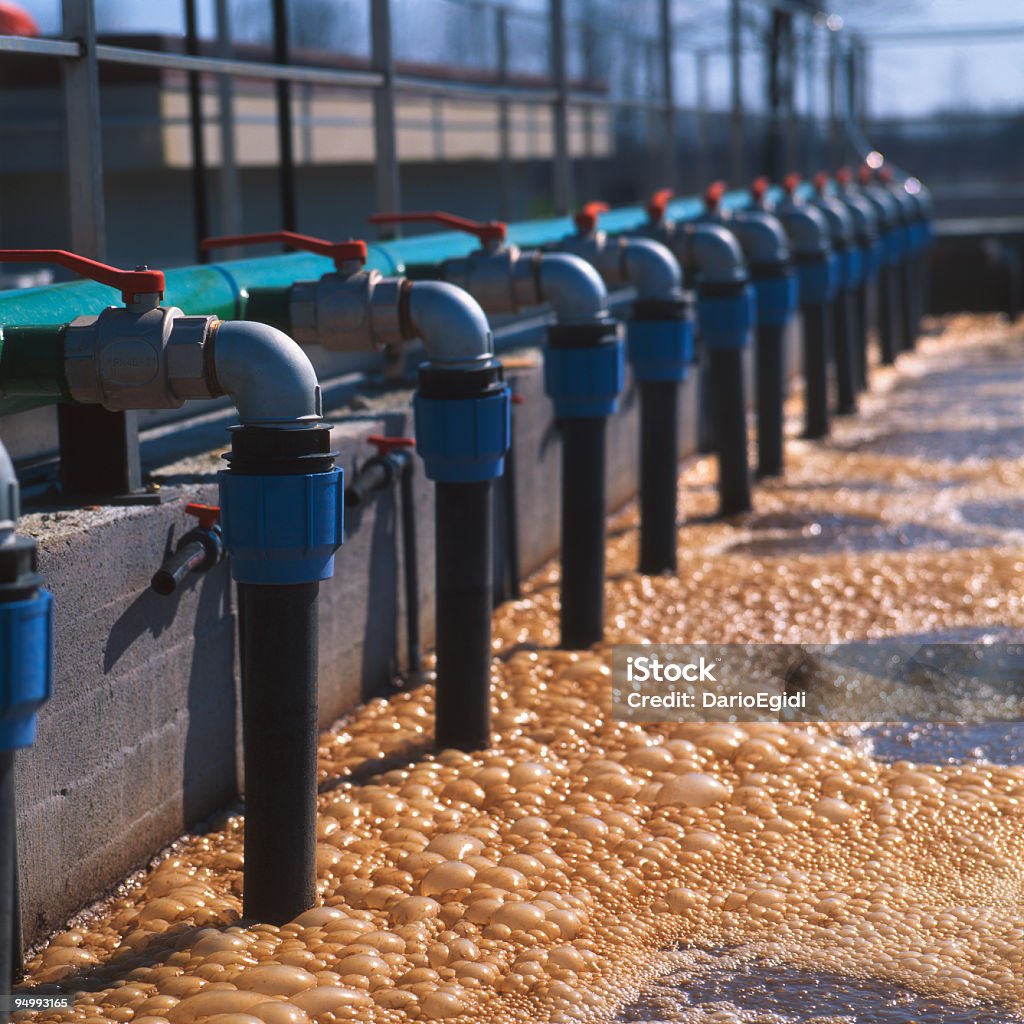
591 868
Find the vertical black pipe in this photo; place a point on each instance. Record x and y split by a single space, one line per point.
583 530
511 546
729 412
909 302
285 147
17 947
8 835
465 572
659 468
886 315
412 570
860 304
771 395
843 350
817 321
279 713
200 200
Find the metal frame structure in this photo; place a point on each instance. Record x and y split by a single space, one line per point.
111 440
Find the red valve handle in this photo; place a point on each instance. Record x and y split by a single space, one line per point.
517 399
864 174
844 176
658 203
386 445
713 195
586 218
791 182
207 515
821 180
129 282
485 230
885 175
759 187
340 252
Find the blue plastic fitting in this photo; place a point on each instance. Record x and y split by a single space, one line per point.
776 299
660 349
26 667
726 321
463 440
874 259
584 382
282 529
819 280
852 268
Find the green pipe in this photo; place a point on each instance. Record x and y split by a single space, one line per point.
223 289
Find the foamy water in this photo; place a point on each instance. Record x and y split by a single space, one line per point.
584 869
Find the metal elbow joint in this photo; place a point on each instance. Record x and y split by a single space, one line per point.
572 287
266 374
762 238
450 323
651 268
713 252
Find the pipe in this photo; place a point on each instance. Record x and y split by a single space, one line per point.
267 376
889 303
583 530
509 589
26 671
572 287
451 325
393 464
659 460
765 246
651 269
463 546
8 877
817 275
711 255
279 718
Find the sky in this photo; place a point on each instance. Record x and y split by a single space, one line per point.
905 79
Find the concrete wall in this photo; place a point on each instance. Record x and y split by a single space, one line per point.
140 740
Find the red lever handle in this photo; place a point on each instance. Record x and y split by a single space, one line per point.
386 445
485 230
759 187
659 203
844 176
713 195
885 175
340 252
207 515
864 174
129 282
791 182
586 218
821 180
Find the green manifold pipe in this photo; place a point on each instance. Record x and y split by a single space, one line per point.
31 353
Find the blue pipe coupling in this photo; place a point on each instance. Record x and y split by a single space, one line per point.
584 369
851 267
776 297
463 422
727 315
282 505
659 340
818 279
26 667
874 259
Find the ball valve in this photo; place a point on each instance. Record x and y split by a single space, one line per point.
890 299
847 251
766 248
281 501
866 234
26 674
711 257
462 422
817 269
582 377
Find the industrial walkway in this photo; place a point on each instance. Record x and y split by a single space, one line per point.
545 879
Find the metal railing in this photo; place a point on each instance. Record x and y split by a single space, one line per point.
81 55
